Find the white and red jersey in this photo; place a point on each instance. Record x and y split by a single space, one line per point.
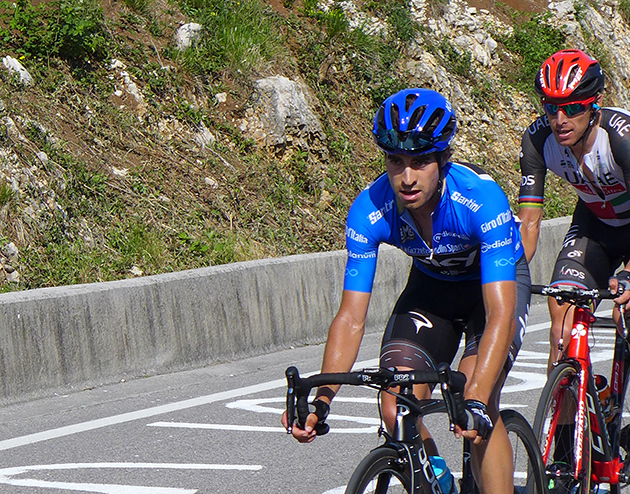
608 161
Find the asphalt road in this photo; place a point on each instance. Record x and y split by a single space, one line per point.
217 429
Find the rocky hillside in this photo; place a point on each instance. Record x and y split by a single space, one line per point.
144 136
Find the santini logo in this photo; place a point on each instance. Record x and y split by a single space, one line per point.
469 203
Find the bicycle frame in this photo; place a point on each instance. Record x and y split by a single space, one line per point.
405 437
406 434
606 466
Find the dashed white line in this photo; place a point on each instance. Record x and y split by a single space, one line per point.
6 475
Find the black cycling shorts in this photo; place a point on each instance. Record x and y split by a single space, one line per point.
591 251
431 315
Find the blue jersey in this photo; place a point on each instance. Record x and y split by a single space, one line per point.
475 235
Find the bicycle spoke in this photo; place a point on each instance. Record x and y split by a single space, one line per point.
528 469
379 473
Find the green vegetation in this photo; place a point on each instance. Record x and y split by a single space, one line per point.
240 34
459 61
533 40
67 29
98 185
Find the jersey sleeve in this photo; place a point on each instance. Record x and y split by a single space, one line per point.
499 237
533 168
617 124
362 247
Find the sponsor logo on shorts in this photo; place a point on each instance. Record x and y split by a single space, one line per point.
572 272
420 321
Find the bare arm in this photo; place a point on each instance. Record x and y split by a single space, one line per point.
344 337
500 302
342 347
531 219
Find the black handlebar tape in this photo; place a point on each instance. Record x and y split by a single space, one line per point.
573 292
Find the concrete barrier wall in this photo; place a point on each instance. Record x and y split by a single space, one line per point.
69 338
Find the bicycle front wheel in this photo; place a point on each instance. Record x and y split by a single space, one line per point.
380 472
556 431
529 472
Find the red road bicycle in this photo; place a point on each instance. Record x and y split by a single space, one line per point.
584 437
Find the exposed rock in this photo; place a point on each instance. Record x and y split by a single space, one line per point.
129 94
281 117
15 67
204 137
187 35
9 256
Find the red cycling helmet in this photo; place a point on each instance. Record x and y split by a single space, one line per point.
569 75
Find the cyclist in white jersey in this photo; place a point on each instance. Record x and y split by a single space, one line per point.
589 147
468 278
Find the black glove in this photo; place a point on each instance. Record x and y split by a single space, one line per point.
478 418
321 409
623 278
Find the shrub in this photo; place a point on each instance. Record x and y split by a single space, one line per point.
72 30
238 35
534 40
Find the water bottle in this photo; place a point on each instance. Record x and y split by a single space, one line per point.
443 474
603 392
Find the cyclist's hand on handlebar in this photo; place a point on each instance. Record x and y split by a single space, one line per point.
620 286
315 422
479 422
301 434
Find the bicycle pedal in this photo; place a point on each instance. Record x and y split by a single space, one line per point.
560 478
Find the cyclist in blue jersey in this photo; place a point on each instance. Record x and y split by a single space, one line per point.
468 277
588 147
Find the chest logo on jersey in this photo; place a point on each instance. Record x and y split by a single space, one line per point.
407 234
450 264
466 201
374 216
577 178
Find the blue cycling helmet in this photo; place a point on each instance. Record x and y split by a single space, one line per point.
414 121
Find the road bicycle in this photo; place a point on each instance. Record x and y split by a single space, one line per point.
583 435
401 464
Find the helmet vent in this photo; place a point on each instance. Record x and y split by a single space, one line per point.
415 117
559 73
547 76
380 117
395 116
434 121
573 73
409 100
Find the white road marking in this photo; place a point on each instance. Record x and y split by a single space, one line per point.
250 428
7 473
149 412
